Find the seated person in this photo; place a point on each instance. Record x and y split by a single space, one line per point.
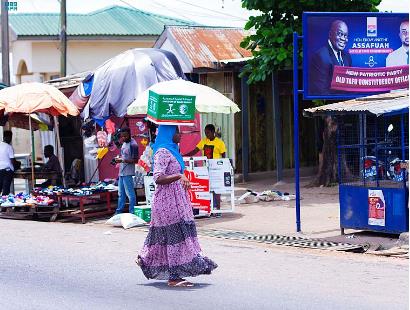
52 165
75 174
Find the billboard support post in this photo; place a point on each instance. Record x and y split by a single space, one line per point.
296 92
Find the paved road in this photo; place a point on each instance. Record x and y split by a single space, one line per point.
73 266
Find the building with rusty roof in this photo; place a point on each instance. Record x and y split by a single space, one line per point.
201 48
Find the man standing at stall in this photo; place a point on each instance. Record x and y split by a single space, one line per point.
213 148
6 163
127 160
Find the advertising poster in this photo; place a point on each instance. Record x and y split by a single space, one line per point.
149 186
220 174
347 55
199 191
377 208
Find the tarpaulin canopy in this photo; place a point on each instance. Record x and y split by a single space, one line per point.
388 103
119 81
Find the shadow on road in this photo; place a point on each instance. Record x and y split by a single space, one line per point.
164 286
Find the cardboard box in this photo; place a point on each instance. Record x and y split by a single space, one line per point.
171 109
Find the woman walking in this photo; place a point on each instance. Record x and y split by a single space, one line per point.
171 250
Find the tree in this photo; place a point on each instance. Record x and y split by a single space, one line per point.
272 47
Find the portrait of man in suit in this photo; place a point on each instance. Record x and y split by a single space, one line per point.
400 56
323 60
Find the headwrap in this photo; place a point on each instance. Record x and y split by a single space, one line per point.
164 140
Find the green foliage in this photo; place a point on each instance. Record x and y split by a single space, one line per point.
272 42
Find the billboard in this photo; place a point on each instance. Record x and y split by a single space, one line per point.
347 55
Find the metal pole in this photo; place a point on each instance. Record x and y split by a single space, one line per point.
403 148
57 132
296 126
32 150
403 139
377 152
245 129
63 38
5 43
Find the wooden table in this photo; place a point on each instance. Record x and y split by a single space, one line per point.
30 210
83 214
26 175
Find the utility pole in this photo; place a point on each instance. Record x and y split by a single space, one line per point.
63 72
5 42
63 38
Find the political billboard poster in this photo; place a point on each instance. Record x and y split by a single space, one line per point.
348 55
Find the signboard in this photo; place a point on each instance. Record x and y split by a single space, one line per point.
171 109
377 208
205 176
221 175
149 186
347 55
199 192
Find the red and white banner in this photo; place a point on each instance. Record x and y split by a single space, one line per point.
354 79
199 192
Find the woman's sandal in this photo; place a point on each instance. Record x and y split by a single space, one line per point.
180 283
138 261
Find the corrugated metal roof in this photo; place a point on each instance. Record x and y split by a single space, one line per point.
68 81
111 21
378 105
206 46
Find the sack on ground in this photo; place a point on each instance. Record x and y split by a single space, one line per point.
129 220
114 220
126 220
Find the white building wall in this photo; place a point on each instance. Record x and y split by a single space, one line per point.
21 50
81 55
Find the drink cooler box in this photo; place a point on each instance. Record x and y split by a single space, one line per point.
143 213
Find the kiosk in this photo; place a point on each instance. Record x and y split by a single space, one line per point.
373 153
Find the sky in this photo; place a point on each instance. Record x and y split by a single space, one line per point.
208 12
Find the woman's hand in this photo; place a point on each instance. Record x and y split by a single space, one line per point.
185 182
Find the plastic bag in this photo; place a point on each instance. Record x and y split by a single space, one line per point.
110 126
102 152
90 142
102 138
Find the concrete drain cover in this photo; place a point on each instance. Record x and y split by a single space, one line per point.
294 241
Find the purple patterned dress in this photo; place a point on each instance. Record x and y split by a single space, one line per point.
171 249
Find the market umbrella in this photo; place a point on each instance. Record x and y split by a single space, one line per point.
36 97
207 100
28 98
119 81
